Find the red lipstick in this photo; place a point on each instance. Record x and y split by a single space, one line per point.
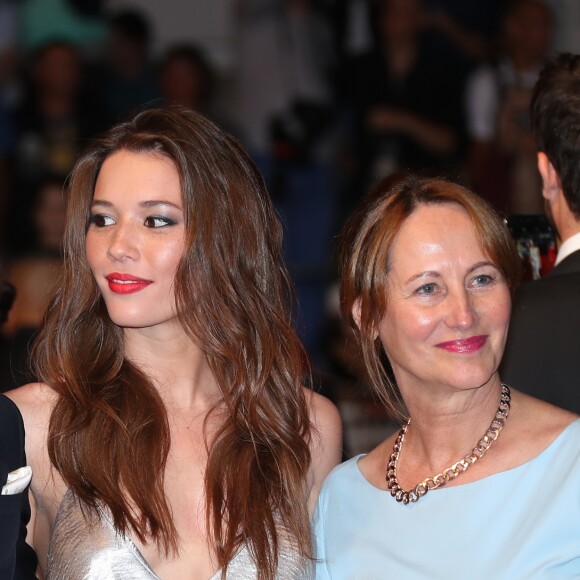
465 345
125 283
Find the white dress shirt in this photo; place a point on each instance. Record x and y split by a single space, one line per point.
571 245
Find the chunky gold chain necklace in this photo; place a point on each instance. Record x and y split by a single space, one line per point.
456 469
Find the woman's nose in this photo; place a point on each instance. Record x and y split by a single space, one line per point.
123 243
461 312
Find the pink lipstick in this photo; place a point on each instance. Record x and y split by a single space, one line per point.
465 345
125 283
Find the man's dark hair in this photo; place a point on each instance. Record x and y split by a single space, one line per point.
555 111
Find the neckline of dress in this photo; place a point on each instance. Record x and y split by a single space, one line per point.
537 457
134 548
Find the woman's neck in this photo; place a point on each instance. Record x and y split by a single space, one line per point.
444 428
177 366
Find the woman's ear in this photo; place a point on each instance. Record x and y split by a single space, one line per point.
355 311
356 315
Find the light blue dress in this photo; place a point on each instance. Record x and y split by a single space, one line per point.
519 524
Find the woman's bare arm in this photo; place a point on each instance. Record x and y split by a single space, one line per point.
325 444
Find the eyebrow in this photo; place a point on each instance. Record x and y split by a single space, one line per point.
145 204
435 274
423 274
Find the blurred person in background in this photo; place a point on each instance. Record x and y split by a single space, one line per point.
34 274
284 113
57 116
462 33
186 78
128 75
48 215
502 158
404 100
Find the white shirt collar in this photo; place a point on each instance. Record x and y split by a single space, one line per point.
571 245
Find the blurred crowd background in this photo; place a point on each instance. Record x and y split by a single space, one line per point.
327 96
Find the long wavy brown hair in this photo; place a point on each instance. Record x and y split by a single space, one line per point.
365 249
109 435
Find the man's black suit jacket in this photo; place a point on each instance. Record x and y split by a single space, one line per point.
542 354
17 559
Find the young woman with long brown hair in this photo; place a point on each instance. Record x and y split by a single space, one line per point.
170 436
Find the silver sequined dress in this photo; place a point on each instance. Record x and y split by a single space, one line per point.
82 549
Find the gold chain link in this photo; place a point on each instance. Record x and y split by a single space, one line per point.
456 469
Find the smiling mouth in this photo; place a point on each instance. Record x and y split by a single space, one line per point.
465 345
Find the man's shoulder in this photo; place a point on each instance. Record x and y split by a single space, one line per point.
569 266
563 281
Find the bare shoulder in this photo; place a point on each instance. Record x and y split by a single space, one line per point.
325 442
540 419
534 425
32 394
323 412
327 436
35 401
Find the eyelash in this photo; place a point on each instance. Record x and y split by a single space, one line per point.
422 290
99 220
489 279
166 221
